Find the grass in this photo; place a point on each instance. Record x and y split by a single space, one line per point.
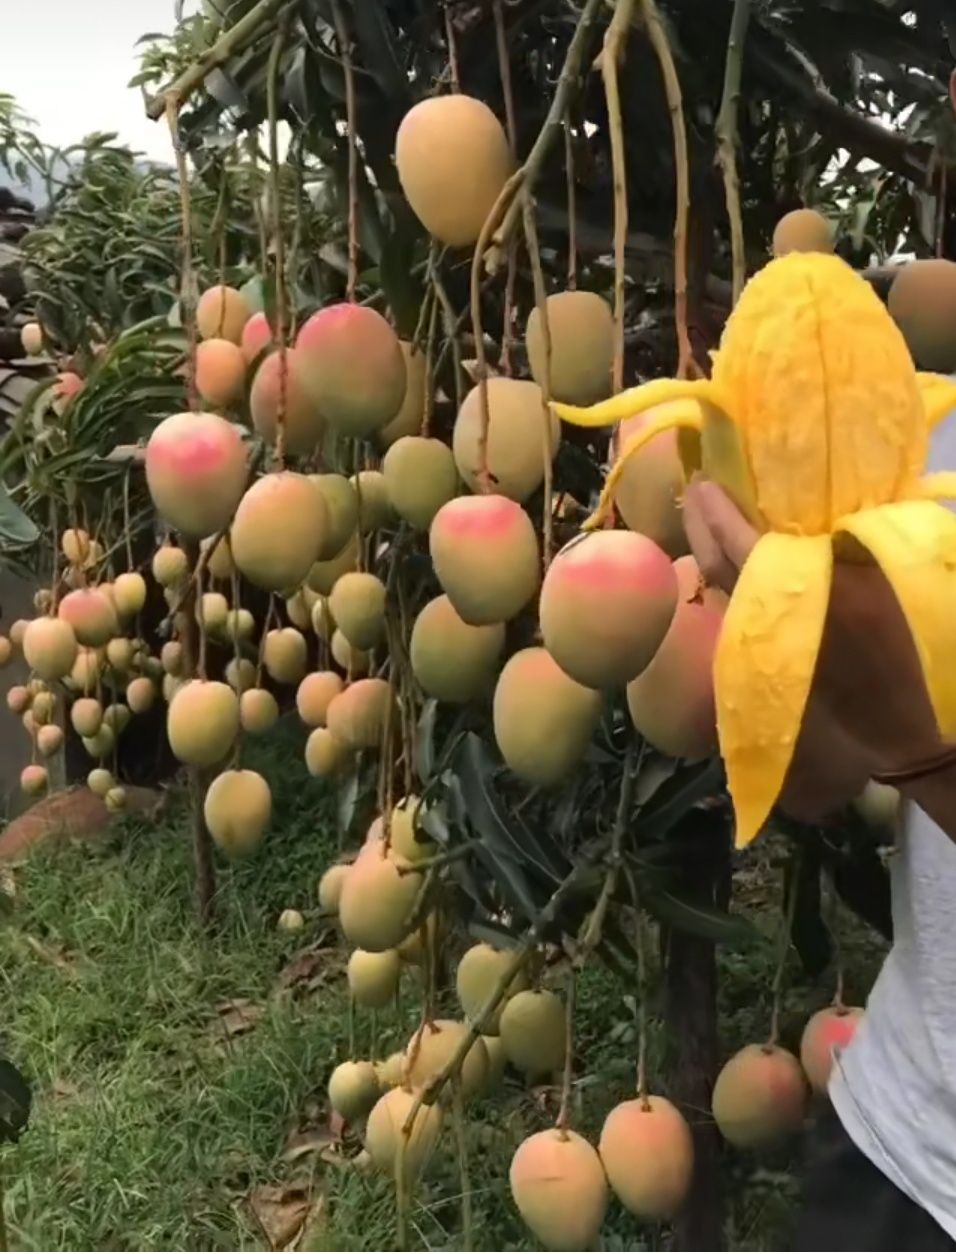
155 1128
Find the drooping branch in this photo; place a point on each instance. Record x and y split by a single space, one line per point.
505 212
505 215
727 140
278 238
229 43
615 40
504 73
188 291
345 54
541 304
686 365
519 956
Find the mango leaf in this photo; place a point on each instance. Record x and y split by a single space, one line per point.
679 793
16 528
489 815
502 871
707 922
374 36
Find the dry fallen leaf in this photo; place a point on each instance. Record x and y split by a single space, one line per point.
280 1211
293 1216
305 1141
56 955
64 1090
314 1235
310 967
238 1015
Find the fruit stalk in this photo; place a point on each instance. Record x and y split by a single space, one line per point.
615 38
686 366
541 304
640 949
464 1177
452 324
568 80
202 845
572 206
452 44
564 1110
345 56
188 291
504 72
278 241
727 139
595 923
783 943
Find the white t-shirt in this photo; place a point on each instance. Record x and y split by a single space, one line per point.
894 1086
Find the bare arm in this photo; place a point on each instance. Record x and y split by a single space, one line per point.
829 767
936 796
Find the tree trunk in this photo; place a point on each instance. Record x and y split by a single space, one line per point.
691 1013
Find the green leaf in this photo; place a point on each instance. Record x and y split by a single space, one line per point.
489 814
379 53
16 528
683 790
704 921
402 286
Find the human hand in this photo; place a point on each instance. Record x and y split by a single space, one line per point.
868 673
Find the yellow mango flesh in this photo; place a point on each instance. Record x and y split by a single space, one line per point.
824 394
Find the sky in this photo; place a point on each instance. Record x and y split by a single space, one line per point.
67 62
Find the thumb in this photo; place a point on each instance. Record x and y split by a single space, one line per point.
731 530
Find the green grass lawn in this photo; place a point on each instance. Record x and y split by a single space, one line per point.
179 1079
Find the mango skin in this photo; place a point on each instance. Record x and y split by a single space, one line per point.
760 1096
559 1187
516 437
543 719
485 553
671 702
351 365
581 328
452 193
606 604
452 660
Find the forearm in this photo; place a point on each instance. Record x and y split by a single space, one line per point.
828 770
936 796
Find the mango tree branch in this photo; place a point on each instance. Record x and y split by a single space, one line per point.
278 237
345 55
231 41
615 40
549 913
686 365
504 218
727 140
